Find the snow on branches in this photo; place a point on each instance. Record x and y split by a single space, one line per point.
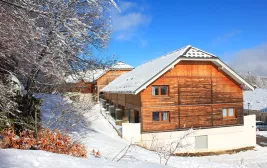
45 39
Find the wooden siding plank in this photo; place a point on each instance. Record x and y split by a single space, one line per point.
197 93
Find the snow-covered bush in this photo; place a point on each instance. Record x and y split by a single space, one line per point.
11 97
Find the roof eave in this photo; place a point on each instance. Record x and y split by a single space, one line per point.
171 65
248 85
118 92
121 69
181 58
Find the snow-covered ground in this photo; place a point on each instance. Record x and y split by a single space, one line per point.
104 138
11 158
262 133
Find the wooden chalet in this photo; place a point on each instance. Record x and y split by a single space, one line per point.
183 89
112 73
81 86
83 82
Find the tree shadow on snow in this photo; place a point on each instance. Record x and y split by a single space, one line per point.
61 113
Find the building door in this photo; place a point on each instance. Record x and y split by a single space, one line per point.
136 116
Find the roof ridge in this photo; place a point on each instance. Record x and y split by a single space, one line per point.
192 47
164 55
120 63
175 51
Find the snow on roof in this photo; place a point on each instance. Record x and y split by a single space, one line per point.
197 53
121 66
88 76
117 66
139 78
257 99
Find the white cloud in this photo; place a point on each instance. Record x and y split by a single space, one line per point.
251 60
226 37
129 21
124 5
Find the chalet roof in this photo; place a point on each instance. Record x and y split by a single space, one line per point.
117 66
142 76
121 66
91 75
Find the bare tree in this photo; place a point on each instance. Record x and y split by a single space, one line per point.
42 40
124 151
58 39
257 81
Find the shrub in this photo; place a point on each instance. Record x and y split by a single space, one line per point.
46 140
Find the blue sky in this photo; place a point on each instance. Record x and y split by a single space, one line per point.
147 29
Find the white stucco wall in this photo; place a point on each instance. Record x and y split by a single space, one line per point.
224 138
131 132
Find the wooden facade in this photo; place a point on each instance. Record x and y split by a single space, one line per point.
197 94
81 86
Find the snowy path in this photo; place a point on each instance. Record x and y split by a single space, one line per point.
105 139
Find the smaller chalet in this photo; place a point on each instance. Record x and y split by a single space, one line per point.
92 81
187 88
83 81
110 74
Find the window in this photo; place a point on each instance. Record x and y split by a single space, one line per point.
228 113
155 116
163 90
155 90
161 116
159 90
164 116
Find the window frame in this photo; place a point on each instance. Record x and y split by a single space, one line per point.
227 113
159 90
160 117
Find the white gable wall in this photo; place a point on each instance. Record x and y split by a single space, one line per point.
218 139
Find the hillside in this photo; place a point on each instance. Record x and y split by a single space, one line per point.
101 136
256 98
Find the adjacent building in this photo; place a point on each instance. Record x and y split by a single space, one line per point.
110 74
92 81
83 82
